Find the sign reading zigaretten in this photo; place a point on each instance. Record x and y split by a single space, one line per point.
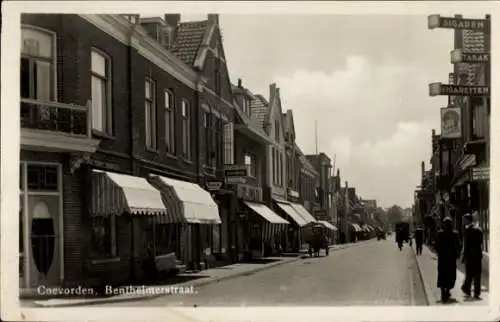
458 90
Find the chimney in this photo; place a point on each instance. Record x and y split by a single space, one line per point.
277 92
239 83
214 19
433 133
423 168
172 19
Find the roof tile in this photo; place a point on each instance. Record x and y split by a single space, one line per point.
188 39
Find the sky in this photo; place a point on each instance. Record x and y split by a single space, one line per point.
363 79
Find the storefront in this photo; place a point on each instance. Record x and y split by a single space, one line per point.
194 211
294 239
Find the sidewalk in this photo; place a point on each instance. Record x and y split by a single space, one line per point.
427 263
194 280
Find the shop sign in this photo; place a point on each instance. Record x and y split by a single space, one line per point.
235 180
451 123
436 21
480 173
458 90
458 56
214 185
235 170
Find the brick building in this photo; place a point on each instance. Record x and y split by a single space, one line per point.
116 115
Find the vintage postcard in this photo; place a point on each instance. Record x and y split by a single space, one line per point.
213 161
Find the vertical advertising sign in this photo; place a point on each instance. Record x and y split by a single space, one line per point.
451 123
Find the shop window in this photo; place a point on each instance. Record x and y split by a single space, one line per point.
104 237
166 238
42 178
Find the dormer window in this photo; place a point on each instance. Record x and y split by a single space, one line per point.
246 106
134 19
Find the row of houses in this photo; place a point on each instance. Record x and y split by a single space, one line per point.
457 181
135 144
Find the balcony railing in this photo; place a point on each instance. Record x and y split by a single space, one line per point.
69 119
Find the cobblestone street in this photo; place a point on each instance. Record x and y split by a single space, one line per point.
375 273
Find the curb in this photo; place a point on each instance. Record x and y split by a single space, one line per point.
429 294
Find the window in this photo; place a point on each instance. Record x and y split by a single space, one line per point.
250 163
150 114
219 143
101 90
217 77
37 70
169 122
104 237
273 156
228 143
213 140
277 130
42 178
208 138
281 170
167 238
186 130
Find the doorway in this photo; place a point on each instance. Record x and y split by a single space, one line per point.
40 224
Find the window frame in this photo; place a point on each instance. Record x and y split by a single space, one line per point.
252 166
228 142
52 60
151 133
113 230
186 130
169 113
107 111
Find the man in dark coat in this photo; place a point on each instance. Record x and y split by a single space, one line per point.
448 251
419 240
472 256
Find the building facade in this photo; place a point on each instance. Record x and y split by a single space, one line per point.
123 114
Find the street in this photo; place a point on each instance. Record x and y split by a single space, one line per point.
375 273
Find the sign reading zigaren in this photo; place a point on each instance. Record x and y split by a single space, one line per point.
458 90
436 21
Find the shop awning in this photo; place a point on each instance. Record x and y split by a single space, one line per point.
115 194
303 213
266 213
287 208
326 224
187 202
355 227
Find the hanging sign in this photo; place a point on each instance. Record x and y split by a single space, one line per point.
451 123
436 21
458 56
214 185
458 90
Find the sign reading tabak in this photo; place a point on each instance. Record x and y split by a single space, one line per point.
458 90
458 56
436 21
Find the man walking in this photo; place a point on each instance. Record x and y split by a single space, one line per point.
448 251
419 240
472 257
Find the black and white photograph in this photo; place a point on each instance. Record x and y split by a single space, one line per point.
211 156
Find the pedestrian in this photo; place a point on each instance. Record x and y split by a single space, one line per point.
419 240
448 251
472 256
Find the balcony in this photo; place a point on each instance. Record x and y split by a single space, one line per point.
56 127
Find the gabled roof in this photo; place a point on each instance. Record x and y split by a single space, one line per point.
189 36
260 109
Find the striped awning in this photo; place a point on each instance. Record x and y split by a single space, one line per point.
355 227
115 194
326 224
266 213
187 202
287 208
303 213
